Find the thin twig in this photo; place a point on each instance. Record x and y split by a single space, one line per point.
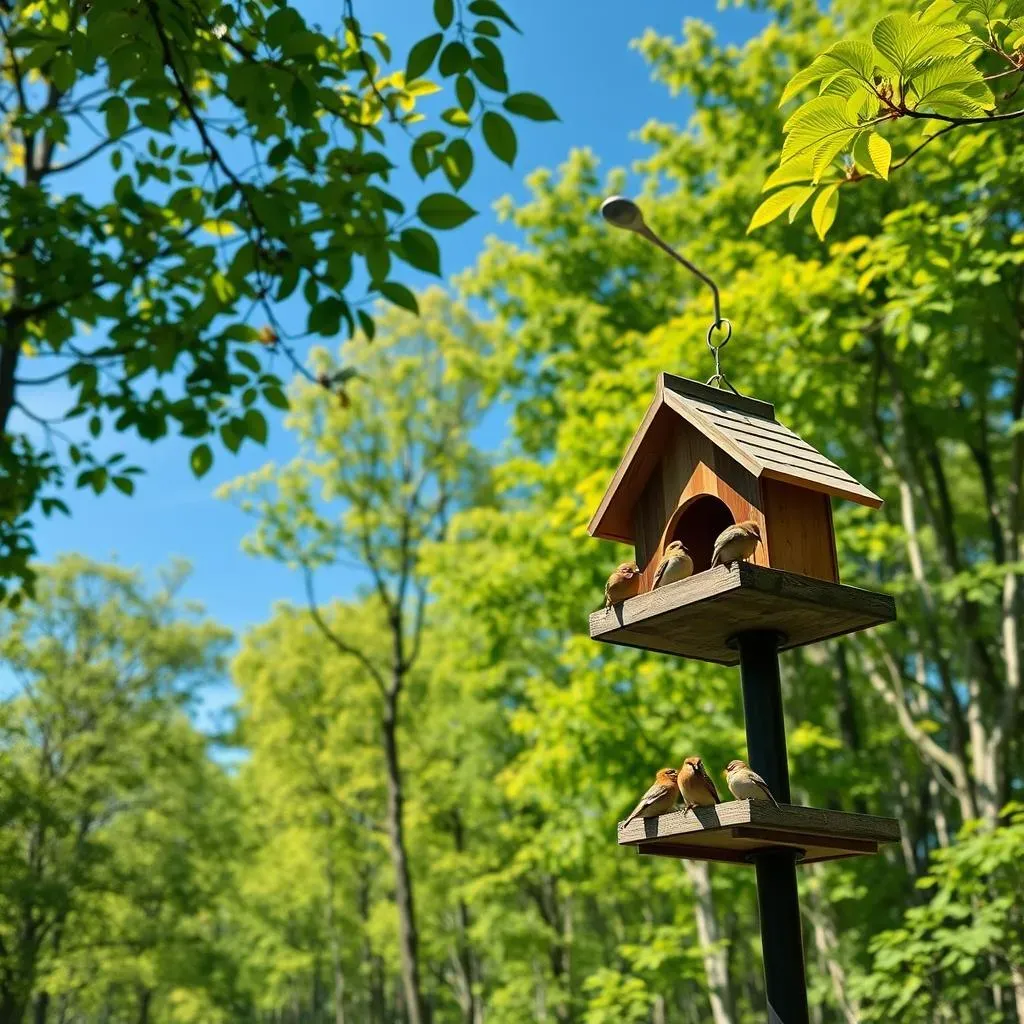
914 152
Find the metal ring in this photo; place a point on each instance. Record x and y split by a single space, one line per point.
717 327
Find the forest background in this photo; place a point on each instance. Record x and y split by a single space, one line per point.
406 811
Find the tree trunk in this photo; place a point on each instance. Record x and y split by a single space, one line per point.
1017 977
337 972
715 960
408 939
465 958
145 998
826 943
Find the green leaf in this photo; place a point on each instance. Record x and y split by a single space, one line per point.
457 117
117 114
797 206
454 60
815 123
325 317
490 9
465 92
124 484
256 426
201 459
399 295
62 71
826 153
528 104
848 58
775 205
797 169
444 12
952 80
457 162
422 55
823 213
499 136
873 154
904 44
231 434
420 250
276 397
443 212
248 360
367 324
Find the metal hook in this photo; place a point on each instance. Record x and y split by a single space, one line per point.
623 213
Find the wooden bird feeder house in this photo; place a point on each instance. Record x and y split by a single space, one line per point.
702 459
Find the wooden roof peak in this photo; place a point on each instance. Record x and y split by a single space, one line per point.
743 428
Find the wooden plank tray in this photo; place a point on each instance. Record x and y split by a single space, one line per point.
733 831
698 617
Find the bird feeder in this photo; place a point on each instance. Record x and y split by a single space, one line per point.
702 459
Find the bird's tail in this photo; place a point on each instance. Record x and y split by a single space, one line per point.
771 796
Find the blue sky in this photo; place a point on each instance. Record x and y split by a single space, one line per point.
574 52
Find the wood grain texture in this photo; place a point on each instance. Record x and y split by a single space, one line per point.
734 830
613 518
697 617
690 471
798 535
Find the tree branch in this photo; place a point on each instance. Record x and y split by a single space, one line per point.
341 645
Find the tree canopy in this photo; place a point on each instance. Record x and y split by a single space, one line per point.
429 764
174 173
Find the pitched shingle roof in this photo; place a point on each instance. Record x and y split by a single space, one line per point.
743 428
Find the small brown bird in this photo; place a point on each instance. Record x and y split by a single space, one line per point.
675 564
661 798
746 784
696 786
623 583
736 543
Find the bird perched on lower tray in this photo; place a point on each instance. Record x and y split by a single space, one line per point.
736 543
746 784
623 583
696 786
676 564
661 798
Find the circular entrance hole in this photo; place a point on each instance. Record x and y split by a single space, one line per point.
698 525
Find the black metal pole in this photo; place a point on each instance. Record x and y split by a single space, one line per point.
777 900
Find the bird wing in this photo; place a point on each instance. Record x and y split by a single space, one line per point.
656 792
709 784
662 566
763 786
728 534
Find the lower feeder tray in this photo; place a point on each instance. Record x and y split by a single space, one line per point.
734 831
699 617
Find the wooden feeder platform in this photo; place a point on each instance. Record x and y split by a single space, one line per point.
734 831
699 617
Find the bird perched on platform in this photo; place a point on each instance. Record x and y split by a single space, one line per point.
623 583
661 798
736 543
696 786
746 784
675 564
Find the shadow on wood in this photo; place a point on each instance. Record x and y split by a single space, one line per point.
698 617
735 830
